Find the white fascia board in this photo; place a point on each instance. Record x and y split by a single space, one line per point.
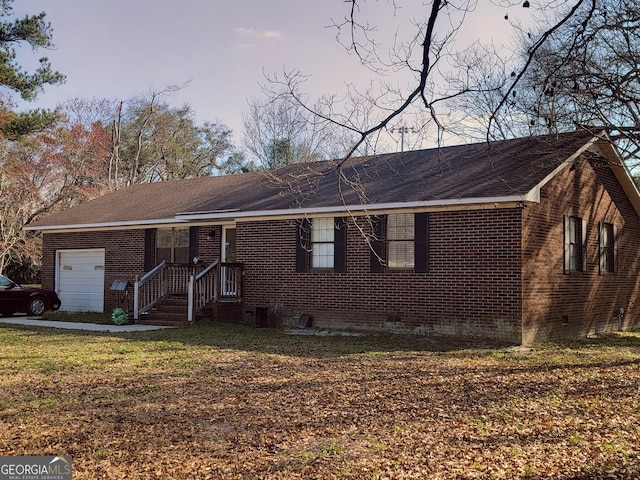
231 216
105 225
622 173
536 190
358 208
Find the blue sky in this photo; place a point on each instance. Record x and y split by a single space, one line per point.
118 49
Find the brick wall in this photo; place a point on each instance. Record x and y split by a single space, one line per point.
124 257
556 304
472 288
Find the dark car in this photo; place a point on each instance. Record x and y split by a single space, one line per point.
33 301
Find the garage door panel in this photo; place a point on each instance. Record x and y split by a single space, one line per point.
81 280
82 283
74 302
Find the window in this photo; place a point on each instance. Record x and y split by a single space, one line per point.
575 248
608 248
322 242
575 243
400 240
172 245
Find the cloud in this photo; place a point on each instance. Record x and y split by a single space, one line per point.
260 34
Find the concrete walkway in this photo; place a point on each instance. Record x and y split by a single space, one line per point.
93 327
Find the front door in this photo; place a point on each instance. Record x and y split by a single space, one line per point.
229 278
228 244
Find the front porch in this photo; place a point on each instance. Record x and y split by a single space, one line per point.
173 294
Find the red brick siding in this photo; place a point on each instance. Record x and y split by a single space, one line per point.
472 288
124 256
589 301
209 248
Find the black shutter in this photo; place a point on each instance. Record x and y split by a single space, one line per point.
421 226
149 248
614 230
583 245
303 227
340 245
377 244
193 243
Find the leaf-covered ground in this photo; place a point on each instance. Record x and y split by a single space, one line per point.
233 402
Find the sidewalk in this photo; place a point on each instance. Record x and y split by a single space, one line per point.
93 327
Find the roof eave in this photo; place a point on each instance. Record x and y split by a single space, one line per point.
101 225
227 216
357 208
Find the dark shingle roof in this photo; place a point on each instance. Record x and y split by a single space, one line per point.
484 170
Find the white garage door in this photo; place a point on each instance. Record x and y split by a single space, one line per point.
80 282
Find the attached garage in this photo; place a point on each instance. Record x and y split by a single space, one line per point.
80 280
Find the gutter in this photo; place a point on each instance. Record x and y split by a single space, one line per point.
184 218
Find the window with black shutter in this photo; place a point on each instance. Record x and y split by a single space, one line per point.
321 243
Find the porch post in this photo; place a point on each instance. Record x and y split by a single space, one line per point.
190 298
136 299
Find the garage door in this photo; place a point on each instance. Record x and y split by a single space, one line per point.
80 282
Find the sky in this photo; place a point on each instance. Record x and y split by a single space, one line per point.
220 50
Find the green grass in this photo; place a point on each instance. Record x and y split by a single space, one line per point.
224 401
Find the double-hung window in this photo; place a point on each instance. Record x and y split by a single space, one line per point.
608 248
400 240
322 242
172 245
575 245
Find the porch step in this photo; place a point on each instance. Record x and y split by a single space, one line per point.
171 312
164 319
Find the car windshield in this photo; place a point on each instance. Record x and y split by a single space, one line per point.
4 281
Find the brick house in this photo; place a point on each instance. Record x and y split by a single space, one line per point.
519 241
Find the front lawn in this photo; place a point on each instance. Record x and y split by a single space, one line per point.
227 402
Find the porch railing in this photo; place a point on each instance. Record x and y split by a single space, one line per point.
217 281
165 279
231 281
150 289
178 278
202 290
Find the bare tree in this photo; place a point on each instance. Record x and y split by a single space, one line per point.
587 74
279 132
465 88
580 74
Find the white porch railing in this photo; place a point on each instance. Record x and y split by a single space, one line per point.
231 281
165 279
218 281
149 290
202 290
